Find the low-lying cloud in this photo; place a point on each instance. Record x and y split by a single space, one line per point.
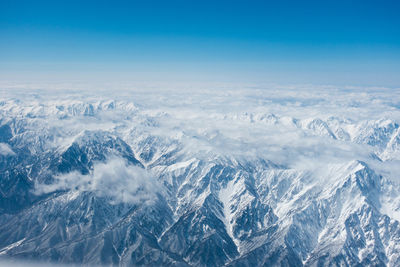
114 179
300 127
5 150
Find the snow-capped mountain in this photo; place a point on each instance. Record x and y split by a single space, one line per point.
224 177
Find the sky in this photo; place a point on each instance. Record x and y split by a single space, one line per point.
323 42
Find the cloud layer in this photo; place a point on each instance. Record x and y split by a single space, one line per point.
5 150
300 127
114 179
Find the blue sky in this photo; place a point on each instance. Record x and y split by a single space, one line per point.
331 42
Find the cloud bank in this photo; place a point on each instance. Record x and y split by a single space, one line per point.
299 127
114 179
5 150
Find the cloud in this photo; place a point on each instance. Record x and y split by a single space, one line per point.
5 150
288 125
115 180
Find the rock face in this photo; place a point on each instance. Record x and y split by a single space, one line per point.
108 183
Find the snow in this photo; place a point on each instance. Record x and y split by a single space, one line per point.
13 245
225 196
180 165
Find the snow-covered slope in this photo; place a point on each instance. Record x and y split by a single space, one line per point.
238 177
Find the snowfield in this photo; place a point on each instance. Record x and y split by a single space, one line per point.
207 175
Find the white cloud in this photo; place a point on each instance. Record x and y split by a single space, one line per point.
114 180
5 150
249 121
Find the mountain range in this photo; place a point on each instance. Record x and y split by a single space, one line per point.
245 177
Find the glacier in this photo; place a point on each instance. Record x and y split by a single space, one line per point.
213 175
